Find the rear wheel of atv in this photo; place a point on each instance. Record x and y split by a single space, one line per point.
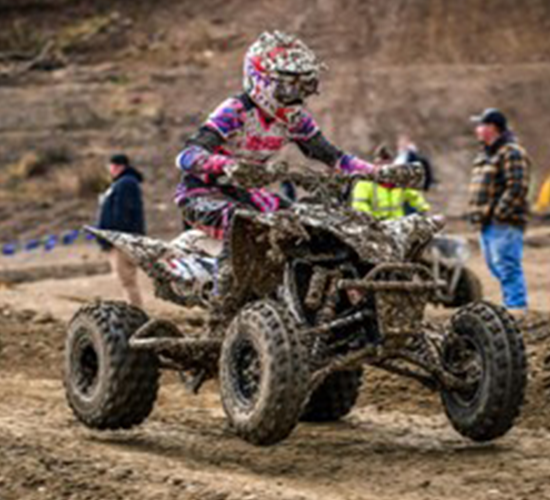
334 398
108 385
488 345
263 374
468 289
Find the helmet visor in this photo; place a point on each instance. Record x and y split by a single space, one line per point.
295 89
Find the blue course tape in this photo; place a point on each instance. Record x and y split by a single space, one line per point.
70 237
49 242
9 249
32 245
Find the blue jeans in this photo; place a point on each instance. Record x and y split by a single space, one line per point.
502 246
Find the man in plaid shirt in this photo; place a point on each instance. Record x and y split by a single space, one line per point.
498 204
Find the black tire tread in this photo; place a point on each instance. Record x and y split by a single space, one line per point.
282 405
132 377
334 398
469 289
509 366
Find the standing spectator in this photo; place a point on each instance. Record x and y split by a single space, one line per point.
407 152
499 206
121 209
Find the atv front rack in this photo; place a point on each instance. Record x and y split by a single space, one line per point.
401 293
406 277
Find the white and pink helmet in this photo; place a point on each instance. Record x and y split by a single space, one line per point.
280 72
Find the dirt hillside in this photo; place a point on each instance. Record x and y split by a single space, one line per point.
79 80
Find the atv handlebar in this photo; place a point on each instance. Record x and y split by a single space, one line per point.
249 176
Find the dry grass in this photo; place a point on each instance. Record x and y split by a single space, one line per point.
91 180
52 173
20 39
29 165
202 40
37 164
79 35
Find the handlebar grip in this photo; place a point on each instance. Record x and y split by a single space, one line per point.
408 175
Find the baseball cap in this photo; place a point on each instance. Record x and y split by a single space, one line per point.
120 160
492 116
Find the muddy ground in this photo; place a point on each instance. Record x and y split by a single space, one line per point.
139 77
395 445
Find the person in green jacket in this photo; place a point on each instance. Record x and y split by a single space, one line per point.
386 201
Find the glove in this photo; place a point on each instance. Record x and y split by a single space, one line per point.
278 170
410 175
354 166
215 164
233 170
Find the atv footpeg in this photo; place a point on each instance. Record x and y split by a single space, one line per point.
194 382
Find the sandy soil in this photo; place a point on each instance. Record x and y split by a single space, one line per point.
144 85
395 445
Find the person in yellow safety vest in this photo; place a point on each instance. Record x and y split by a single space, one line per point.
386 201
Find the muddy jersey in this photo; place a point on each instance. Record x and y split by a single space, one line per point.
238 130
252 136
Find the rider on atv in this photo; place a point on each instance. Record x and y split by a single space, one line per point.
246 131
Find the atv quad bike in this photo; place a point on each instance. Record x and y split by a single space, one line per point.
447 256
318 292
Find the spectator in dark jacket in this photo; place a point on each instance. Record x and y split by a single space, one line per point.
122 203
121 209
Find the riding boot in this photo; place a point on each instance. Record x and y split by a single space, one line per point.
223 304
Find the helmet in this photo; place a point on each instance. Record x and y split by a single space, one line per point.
280 72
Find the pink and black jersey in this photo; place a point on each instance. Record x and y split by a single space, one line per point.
250 135
239 131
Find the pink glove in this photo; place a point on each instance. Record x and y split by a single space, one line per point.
197 160
353 165
217 164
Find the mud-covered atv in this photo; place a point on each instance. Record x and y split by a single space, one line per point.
319 292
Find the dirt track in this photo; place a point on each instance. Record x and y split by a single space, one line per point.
395 445
142 84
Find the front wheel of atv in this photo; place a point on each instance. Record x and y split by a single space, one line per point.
263 374
334 398
487 344
108 385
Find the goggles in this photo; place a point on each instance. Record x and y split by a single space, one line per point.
294 89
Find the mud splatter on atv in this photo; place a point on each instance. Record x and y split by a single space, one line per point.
313 295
